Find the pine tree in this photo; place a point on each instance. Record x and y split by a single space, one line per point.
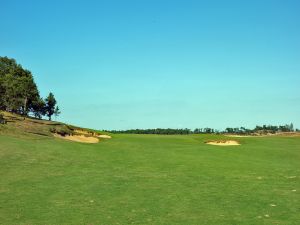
50 105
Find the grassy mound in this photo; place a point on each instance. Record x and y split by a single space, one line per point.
17 125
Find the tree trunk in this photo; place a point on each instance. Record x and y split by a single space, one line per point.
25 106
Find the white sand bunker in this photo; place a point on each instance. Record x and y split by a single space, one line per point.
103 136
90 133
78 138
223 142
234 135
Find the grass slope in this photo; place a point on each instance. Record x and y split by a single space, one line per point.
149 179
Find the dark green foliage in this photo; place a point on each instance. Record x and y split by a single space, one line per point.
17 87
167 131
241 131
274 129
19 92
29 92
236 130
50 105
39 108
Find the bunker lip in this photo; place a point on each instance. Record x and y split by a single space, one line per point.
78 138
223 142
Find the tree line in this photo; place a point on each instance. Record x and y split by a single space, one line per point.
167 131
19 92
264 129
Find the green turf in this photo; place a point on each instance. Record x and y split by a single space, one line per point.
148 179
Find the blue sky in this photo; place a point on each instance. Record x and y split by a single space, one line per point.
147 64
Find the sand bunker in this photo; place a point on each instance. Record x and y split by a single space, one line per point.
233 135
83 136
223 142
90 133
103 136
78 138
82 132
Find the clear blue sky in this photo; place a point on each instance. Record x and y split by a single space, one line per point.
155 63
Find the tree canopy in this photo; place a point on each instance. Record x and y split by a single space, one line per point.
19 92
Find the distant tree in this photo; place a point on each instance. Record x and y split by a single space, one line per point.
243 130
197 131
291 127
229 130
50 105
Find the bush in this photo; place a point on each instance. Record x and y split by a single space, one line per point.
2 120
61 130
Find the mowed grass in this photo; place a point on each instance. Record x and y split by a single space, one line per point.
149 179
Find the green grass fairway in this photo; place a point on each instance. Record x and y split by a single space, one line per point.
148 179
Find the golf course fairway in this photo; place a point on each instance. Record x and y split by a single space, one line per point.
149 179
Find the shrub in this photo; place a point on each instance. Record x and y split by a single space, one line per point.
2 120
61 130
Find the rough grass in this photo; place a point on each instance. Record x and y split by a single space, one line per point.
149 179
18 125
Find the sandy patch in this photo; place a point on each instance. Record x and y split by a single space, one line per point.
289 134
90 133
232 135
222 142
82 132
78 138
103 136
